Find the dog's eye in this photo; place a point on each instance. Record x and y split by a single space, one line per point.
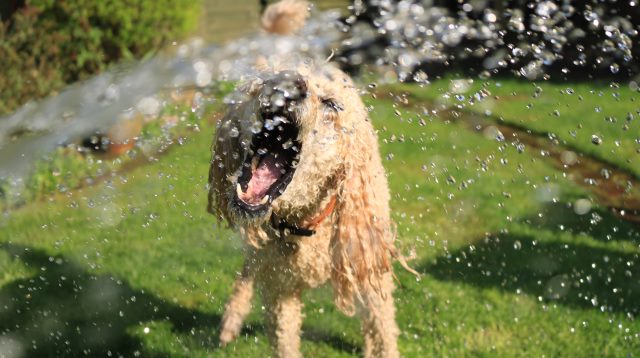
332 104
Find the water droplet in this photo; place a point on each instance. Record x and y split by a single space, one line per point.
517 245
287 144
568 157
582 206
256 127
614 68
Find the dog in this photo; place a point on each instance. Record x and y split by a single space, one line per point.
296 170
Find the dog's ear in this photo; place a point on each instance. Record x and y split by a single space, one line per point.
362 242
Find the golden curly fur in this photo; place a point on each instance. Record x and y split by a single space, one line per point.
352 247
285 17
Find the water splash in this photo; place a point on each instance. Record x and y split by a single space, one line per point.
411 35
98 103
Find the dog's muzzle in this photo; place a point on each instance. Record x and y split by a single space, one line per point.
275 148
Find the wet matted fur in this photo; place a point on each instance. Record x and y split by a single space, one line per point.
297 144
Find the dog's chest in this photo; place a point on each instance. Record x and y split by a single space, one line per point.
297 260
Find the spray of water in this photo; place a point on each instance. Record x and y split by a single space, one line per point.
97 104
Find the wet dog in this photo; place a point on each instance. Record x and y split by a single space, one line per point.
297 171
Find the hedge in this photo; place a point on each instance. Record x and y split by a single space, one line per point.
46 44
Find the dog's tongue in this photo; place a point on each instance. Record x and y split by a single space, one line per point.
262 179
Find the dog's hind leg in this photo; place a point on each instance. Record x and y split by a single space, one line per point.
378 321
239 305
283 319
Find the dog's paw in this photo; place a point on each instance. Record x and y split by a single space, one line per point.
226 337
230 328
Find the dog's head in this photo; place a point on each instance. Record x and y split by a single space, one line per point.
290 139
282 143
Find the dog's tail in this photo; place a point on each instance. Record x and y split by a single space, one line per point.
285 17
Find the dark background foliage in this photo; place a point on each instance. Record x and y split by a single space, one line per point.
577 39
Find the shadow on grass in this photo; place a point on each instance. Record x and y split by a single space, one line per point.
572 274
335 341
601 224
312 334
64 310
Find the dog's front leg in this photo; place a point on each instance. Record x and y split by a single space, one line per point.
378 321
239 305
283 319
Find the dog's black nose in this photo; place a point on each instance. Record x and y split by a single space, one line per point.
284 88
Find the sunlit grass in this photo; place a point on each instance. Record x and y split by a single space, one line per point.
135 264
572 112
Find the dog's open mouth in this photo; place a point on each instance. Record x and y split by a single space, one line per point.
272 159
275 148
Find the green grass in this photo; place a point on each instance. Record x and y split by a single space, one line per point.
573 113
136 266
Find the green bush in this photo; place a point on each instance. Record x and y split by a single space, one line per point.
46 44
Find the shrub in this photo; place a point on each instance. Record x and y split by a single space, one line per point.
46 44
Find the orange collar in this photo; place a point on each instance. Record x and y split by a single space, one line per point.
281 225
324 213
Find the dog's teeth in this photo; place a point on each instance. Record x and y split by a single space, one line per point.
264 200
238 190
254 163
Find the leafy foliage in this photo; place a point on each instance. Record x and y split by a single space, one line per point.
48 43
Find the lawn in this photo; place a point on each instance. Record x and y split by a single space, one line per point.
135 266
596 118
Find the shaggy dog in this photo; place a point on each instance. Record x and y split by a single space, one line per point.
296 170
